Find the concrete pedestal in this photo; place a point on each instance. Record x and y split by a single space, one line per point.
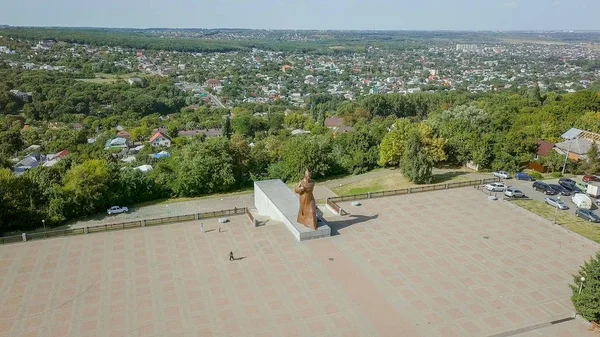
274 199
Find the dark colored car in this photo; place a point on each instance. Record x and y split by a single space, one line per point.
560 189
524 176
569 185
588 215
543 187
587 179
566 181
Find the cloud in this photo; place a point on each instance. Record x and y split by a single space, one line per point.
511 4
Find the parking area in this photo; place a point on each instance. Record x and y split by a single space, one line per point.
527 188
444 263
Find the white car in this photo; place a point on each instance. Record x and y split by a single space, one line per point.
117 210
501 174
495 187
513 193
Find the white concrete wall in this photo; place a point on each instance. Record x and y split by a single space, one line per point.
274 199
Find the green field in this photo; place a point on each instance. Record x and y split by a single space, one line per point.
564 218
386 180
110 78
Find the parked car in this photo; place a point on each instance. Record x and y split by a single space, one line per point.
588 215
495 187
560 189
556 203
117 210
582 201
566 180
501 174
524 176
587 179
570 185
513 193
544 188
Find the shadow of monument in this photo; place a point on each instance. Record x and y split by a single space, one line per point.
353 219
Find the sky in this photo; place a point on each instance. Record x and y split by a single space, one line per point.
308 14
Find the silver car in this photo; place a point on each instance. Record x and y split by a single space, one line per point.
513 193
556 203
501 174
495 187
117 210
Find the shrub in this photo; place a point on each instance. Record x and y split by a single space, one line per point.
536 176
587 303
556 175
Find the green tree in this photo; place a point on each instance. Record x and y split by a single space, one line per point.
296 120
227 130
591 165
87 187
301 153
416 164
204 168
392 145
587 304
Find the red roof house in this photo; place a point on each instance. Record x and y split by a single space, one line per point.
544 148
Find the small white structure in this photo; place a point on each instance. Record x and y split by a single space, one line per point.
144 168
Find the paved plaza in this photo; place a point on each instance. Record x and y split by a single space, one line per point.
445 263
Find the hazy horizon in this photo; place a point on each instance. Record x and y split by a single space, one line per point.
313 29
433 15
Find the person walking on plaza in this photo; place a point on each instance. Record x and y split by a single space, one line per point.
219 229
202 227
231 256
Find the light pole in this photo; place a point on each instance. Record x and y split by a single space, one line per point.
566 157
582 279
44 223
556 210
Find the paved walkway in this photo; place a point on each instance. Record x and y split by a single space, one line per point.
416 265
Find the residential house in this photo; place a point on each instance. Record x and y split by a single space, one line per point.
213 83
135 81
124 134
544 150
208 133
334 122
52 159
572 133
160 139
578 143
337 125
116 143
25 97
31 161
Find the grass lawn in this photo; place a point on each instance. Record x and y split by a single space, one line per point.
393 180
564 218
209 196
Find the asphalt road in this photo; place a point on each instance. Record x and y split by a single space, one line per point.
527 188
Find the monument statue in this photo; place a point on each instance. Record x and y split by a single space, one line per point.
307 214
